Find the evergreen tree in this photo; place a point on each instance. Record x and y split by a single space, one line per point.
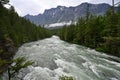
14 31
99 32
4 1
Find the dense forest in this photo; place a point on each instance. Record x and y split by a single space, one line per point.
98 32
14 31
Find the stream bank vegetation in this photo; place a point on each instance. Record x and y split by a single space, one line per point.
66 78
98 32
14 31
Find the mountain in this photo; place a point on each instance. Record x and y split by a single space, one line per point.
66 14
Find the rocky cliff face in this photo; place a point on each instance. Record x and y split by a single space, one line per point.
66 14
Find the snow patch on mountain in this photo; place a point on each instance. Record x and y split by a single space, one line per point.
58 24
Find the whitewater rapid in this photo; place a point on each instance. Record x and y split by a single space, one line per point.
54 57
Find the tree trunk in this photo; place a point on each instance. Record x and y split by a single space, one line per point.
9 75
112 6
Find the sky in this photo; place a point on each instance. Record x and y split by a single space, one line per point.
35 7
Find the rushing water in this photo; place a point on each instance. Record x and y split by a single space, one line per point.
54 57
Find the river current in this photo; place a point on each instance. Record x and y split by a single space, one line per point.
54 58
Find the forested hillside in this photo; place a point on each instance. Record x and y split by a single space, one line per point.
99 32
14 31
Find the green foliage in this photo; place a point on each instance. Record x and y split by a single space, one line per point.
14 31
99 32
18 64
19 29
2 63
66 78
1 50
4 1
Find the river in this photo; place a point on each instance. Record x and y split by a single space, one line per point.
54 57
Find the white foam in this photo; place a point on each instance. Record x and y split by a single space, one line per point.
54 57
39 73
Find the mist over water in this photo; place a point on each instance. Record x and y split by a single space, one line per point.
54 57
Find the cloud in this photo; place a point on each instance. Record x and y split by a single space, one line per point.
35 7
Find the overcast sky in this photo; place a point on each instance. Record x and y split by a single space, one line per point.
34 7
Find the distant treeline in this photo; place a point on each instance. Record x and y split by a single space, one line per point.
14 31
98 32
18 29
